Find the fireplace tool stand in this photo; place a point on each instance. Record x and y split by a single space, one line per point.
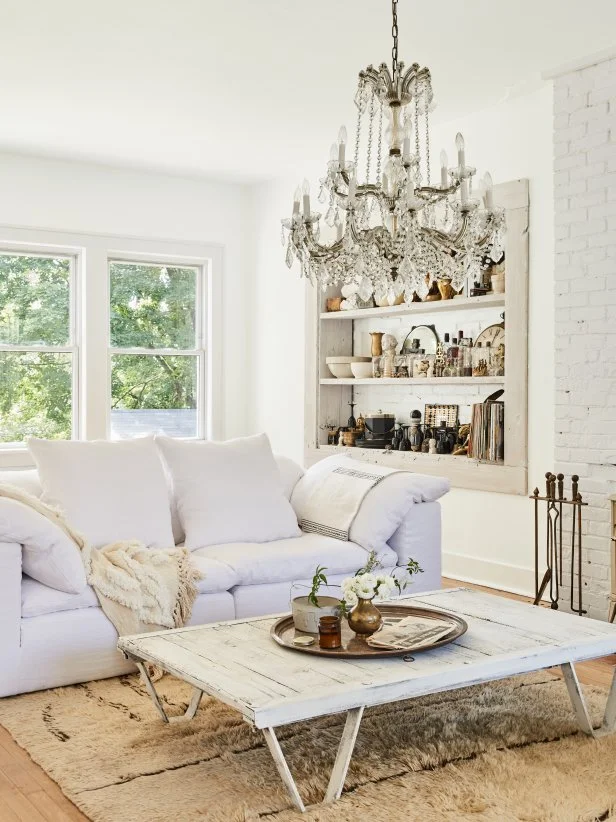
555 505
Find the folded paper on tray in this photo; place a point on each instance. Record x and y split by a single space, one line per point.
410 632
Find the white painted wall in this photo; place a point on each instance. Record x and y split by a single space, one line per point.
80 197
487 537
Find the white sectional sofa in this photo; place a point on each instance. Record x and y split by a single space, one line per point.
50 638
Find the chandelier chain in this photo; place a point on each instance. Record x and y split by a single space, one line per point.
394 34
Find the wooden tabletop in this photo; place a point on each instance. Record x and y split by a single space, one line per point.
240 664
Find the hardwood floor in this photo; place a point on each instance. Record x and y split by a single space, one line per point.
27 794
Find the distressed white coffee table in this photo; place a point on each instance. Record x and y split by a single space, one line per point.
238 663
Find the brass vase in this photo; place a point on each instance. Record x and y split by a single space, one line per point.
376 347
365 618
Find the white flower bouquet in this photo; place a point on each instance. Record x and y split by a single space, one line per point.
371 585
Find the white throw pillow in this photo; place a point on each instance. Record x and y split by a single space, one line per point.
384 506
109 491
290 473
48 554
228 491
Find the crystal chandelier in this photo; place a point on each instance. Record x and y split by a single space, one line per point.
394 233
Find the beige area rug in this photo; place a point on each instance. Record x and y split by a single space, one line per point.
505 751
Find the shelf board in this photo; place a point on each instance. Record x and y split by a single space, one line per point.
462 471
415 381
457 304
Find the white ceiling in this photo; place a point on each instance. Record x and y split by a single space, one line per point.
235 89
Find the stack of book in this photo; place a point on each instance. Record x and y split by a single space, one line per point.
487 437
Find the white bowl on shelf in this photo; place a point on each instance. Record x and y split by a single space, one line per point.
362 370
340 367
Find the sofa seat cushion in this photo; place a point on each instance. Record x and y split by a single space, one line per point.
286 560
38 599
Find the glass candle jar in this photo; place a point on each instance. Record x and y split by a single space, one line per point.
330 632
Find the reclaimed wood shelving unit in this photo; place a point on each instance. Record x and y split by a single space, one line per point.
333 333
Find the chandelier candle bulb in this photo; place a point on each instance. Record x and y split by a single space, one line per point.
460 147
306 198
444 174
487 179
296 200
342 138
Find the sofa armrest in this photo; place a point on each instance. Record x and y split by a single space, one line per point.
419 538
10 601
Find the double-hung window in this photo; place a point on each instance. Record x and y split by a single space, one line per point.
157 357
38 347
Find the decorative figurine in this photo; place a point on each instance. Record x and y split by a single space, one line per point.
432 448
389 343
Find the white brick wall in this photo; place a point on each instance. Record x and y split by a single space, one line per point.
585 298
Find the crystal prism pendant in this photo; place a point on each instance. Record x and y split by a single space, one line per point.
289 256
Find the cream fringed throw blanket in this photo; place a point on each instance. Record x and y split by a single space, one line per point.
140 589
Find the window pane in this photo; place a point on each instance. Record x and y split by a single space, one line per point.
152 306
153 393
35 396
34 300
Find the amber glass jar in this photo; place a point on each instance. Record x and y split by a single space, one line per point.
330 632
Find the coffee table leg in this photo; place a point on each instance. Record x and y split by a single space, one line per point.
343 757
283 768
579 704
192 707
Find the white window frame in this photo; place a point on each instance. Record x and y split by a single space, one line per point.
91 372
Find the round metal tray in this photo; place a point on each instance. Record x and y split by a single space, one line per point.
283 632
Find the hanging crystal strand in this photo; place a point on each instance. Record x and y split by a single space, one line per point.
416 123
380 145
357 139
427 110
369 146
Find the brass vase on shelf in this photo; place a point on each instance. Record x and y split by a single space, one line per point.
365 618
376 348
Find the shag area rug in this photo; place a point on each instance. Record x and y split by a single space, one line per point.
503 752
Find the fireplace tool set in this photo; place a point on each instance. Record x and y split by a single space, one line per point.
556 505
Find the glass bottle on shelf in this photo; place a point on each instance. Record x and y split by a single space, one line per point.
465 355
446 347
452 357
480 363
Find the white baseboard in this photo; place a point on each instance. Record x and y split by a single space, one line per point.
506 577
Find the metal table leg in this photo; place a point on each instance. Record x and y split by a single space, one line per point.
192 706
576 695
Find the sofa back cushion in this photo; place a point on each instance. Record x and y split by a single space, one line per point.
228 491
48 554
109 491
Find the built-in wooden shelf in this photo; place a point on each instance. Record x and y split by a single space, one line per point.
457 304
414 381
